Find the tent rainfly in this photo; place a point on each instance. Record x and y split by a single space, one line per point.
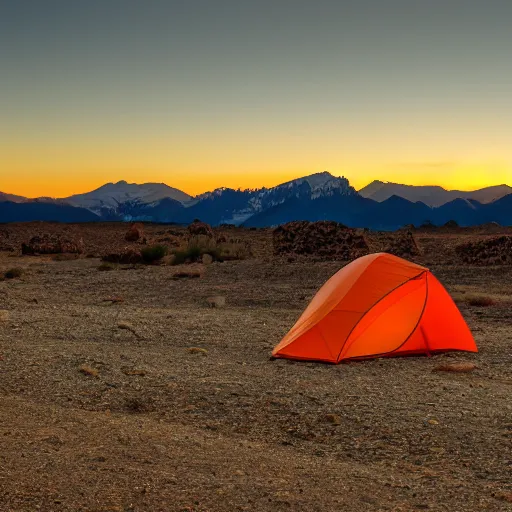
378 305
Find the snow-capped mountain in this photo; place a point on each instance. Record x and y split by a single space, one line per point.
239 205
320 196
109 199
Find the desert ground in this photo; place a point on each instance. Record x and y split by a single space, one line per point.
124 390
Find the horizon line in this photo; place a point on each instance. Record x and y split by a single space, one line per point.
257 188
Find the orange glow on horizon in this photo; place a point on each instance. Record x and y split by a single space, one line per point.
61 184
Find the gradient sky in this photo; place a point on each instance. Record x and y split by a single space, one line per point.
206 93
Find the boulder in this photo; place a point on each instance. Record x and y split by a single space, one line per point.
323 239
492 251
47 244
402 244
135 233
126 257
198 228
216 302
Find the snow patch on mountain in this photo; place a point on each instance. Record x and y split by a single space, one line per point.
109 197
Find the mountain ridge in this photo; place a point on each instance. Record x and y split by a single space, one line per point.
319 196
432 195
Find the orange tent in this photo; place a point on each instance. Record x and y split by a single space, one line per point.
378 305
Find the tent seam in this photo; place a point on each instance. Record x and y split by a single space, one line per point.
415 327
374 304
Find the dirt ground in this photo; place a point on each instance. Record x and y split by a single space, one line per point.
105 407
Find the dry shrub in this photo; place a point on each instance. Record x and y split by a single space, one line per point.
199 246
456 367
231 251
153 254
13 273
88 370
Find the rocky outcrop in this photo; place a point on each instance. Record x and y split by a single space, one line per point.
493 251
47 244
323 239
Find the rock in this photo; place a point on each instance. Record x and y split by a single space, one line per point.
133 371
456 367
187 274
88 370
47 244
197 350
324 239
216 302
207 259
493 251
126 257
135 233
128 327
4 315
335 419
402 244
198 228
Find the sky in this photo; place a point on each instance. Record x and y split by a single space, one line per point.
200 94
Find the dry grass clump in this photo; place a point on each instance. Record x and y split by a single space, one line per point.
88 370
13 273
199 246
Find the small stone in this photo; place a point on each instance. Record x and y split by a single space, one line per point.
216 302
433 422
4 315
335 419
207 259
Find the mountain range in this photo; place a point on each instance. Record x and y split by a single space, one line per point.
431 195
321 196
